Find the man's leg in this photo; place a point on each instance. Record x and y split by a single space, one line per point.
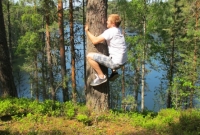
114 75
95 65
100 77
94 59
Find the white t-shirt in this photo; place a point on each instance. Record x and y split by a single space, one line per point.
116 45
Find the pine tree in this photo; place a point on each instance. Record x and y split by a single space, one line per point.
62 52
6 76
73 75
96 16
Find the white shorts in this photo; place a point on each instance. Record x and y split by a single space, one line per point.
104 60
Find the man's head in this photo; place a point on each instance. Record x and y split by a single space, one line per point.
114 20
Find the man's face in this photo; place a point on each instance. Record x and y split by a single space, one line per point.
109 23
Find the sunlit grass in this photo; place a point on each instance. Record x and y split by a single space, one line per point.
25 116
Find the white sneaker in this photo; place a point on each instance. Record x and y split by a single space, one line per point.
98 80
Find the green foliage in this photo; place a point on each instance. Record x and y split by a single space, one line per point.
129 103
137 119
166 121
35 118
6 107
33 20
83 118
69 110
188 124
14 106
190 121
113 115
47 107
82 109
152 121
169 121
29 43
104 117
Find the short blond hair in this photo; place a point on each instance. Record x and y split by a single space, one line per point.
115 18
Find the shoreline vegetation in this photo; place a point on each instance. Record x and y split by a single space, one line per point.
25 116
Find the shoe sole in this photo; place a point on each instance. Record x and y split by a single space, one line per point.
99 83
114 77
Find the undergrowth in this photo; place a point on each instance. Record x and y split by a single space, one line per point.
27 111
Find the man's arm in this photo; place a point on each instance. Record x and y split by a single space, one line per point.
93 39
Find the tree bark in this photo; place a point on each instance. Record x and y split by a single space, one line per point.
171 69
44 66
37 93
195 57
9 33
96 16
136 80
85 80
6 76
73 75
123 67
143 61
62 52
48 51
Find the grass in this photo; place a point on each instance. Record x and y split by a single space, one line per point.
27 117
62 126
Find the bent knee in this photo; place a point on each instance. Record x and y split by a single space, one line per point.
90 55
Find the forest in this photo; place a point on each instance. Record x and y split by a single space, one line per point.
44 71
46 42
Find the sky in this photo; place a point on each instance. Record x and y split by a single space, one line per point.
76 3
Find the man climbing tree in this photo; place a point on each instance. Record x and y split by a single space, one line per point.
6 77
116 47
98 98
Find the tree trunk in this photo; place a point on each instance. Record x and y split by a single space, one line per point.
123 86
44 77
171 73
62 52
171 70
9 32
143 82
123 67
136 80
194 78
96 17
6 76
73 75
44 66
37 93
143 61
84 42
48 51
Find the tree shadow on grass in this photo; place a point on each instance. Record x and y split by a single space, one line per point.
189 124
6 118
141 132
51 132
5 132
